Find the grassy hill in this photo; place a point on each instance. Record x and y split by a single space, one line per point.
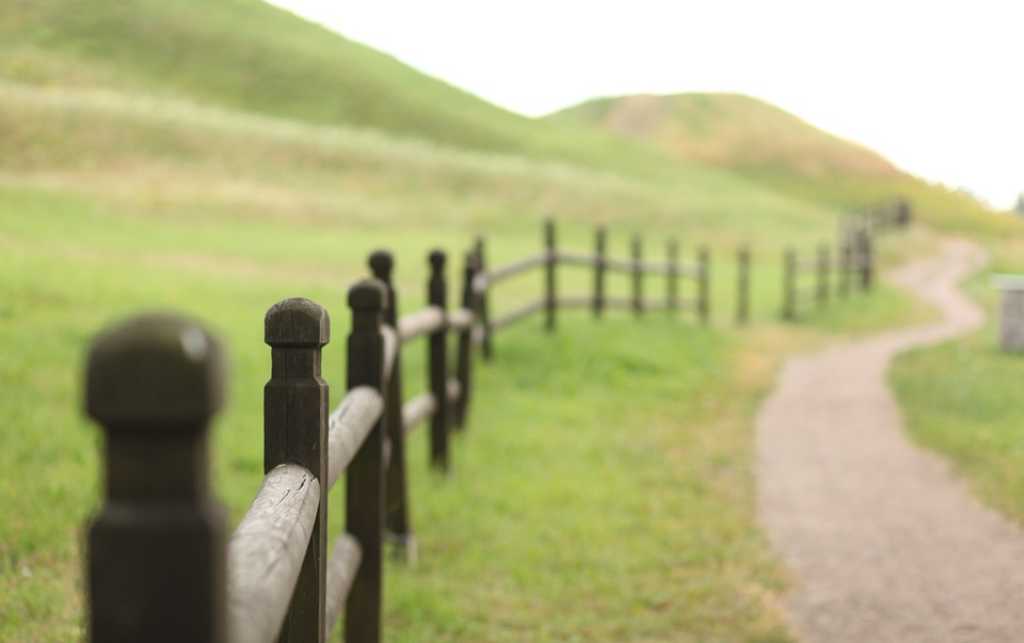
728 130
216 156
777 150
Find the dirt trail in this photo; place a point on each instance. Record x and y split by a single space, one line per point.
884 544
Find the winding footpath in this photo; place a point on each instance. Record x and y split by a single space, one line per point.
883 543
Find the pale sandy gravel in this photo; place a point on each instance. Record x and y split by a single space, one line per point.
883 543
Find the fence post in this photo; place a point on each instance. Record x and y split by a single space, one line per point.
845 264
703 284
866 259
437 363
396 517
295 431
821 292
789 284
464 363
638 275
364 477
600 247
483 302
550 264
156 549
672 278
903 213
743 285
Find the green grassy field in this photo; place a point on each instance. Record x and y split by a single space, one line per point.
604 489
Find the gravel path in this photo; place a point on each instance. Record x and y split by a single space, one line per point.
882 542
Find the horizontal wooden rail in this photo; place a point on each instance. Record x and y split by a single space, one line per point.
341 571
461 319
618 264
348 427
575 302
417 410
419 323
574 259
495 275
266 553
518 314
454 389
391 343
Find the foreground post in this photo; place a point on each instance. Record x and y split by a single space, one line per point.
789 284
703 284
600 247
295 431
156 548
396 518
743 285
483 302
672 278
364 478
638 276
550 263
437 364
821 292
464 360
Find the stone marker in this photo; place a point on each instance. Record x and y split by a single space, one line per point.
1011 325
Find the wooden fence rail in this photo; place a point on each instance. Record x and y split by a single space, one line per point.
160 565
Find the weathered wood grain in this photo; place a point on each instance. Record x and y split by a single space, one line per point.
346 555
266 553
349 425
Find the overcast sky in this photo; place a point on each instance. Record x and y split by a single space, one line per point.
937 87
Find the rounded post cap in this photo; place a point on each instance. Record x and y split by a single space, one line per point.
156 370
297 322
436 259
368 295
382 262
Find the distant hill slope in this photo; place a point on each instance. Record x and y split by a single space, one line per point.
729 130
775 149
248 55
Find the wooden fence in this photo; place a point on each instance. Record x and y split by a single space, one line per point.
160 564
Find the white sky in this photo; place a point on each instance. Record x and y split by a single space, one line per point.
936 86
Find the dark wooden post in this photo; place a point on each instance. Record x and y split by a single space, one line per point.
364 477
743 285
483 303
638 275
845 264
866 258
703 284
295 431
464 362
396 517
550 264
789 284
437 364
672 278
823 260
156 548
600 248
903 213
